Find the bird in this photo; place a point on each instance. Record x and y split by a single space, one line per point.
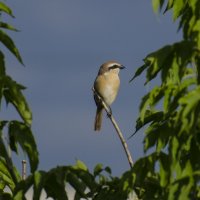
106 85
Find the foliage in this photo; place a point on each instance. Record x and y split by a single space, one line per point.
18 132
87 185
171 112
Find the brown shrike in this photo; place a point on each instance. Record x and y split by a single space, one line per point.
106 85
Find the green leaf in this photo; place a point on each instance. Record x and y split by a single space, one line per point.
87 179
98 169
9 164
186 188
139 71
157 134
83 174
7 26
156 61
144 106
168 97
187 171
108 170
55 183
174 147
2 74
39 180
148 117
2 186
77 196
144 167
6 9
164 135
151 139
178 8
171 61
19 196
5 175
157 4
8 42
22 187
6 196
190 107
2 65
164 162
173 150
80 165
196 32
173 191
2 125
169 5
20 133
78 185
149 101
190 21
13 94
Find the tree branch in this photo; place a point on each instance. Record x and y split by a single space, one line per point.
119 133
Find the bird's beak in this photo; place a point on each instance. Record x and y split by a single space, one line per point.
122 67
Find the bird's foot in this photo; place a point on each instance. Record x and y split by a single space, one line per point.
109 113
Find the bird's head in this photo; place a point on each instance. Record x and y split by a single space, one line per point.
110 66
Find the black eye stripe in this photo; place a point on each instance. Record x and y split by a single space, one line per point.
114 67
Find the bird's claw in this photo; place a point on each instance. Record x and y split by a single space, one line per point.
109 113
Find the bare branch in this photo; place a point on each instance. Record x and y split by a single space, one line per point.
23 169
119 133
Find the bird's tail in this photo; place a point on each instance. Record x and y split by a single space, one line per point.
98 119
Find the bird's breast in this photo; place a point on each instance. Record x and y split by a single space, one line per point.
107 85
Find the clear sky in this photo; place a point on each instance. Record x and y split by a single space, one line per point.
63 43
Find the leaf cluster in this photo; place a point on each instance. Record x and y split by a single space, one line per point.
171 111
13 133
58 183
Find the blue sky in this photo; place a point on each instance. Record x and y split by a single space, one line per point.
63 43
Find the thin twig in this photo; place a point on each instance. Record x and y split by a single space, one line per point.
119 133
